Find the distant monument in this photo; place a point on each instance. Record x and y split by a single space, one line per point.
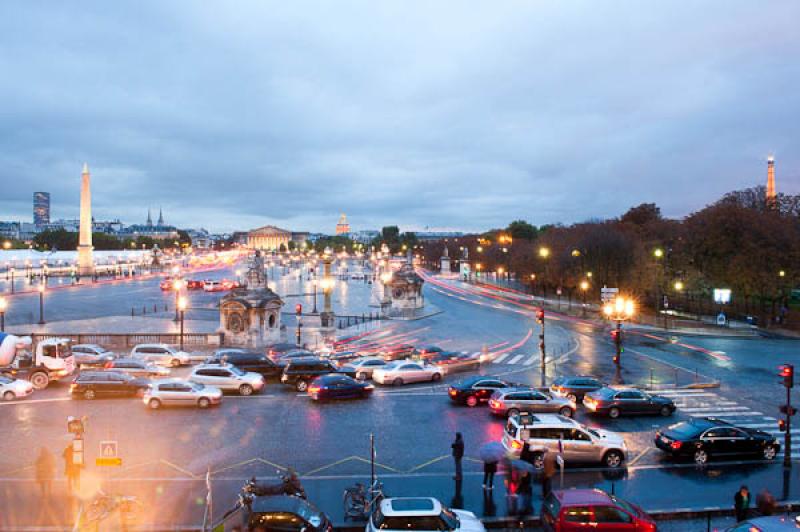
444 267
342 228
405 287
85 259
464 267
251 315
772 194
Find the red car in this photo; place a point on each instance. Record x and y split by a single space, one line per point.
592 509
193 284
166 284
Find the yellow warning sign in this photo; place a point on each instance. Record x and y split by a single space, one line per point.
108 462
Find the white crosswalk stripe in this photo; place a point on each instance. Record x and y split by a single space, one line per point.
516 359
500 358
530 360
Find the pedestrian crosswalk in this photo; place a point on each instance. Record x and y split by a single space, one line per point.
516 358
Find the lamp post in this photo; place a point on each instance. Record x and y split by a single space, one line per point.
544 254
3 306
584 287
620 310
177 284
658 254
12 279
41 304
182 308
533 278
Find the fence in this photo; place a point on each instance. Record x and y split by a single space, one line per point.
129 340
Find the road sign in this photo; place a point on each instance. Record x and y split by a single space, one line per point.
607 294
108 462
108 449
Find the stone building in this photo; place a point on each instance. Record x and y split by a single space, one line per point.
269 238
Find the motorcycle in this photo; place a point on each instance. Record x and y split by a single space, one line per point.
288 485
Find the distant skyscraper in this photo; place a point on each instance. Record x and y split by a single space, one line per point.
342 228
160 217
41 208
149 218
772 194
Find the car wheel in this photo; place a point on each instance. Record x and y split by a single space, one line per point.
397 382
666 411
613 459
89 394
154 404
175 363
245 389
9 396
436 377
613 412
512 412
301 385
538 460
472 401
203 402
769 452
572 397
40 380
566 412
700 457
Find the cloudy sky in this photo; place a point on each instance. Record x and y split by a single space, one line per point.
458 114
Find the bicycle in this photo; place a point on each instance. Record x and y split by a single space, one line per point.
103 505
359 503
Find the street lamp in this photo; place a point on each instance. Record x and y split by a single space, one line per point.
620 310
544 252
678 286
658 253
500 271
3 306
182 308
177 284
41 304
584 287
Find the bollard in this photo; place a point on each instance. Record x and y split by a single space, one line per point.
132 312
165 307
144 311
155 308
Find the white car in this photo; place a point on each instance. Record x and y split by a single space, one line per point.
421 513
178 392
401 372
161 354
364 367
92 355
11 389
228 378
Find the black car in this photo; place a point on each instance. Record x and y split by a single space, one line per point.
476 390
702 438
614 403
338 387
91 384
248 361
276 513
574 388
301 371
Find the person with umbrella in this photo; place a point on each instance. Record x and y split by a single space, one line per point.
548 472
491 453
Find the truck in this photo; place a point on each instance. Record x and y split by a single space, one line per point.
50 360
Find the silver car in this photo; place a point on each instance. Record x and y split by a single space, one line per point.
228 378
136 368
363 367
512 401
11 389
181 393
161 354
92 355
401 372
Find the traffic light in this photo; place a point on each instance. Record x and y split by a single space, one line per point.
787 372
616 359
616 336
298 309
788 410
782 425
540 316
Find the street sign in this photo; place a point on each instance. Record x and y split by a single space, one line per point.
722 296
722 319
608 294
108 462
108 449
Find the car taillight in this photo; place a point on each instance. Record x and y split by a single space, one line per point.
314 389
516 445
452 392
676 445
494 403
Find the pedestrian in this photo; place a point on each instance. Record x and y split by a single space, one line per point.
741 503
548 471
71 470
458 454
526 454
489 469
765 502
45 471
525 491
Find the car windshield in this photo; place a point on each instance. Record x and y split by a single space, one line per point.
394 365
593 432
196 386
624 505
685 429
5 380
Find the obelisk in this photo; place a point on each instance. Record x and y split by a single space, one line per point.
772 195
85 260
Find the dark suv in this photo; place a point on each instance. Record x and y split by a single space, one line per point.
302 371
248 361
91 384
574 388
475 390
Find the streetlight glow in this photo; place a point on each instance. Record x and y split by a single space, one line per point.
3 304
584 285
658 253
182 303
544 252
678 286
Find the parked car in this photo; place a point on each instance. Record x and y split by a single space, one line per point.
91 355
277 513
11 388
421 513
614 403
92 384
397 352
301 371
136 368
476 390
581 444
575 388
592 509
402 372
161 354
772 523
193 284
363 367
227 378
251 361
702 438
338 387
512 401
427 351
177 392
